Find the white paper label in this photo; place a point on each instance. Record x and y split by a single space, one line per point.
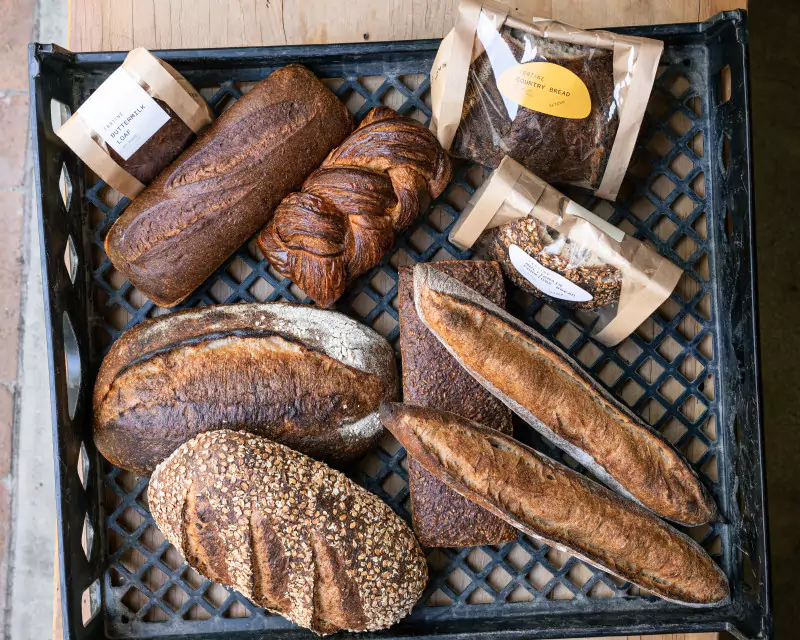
548 282
123 113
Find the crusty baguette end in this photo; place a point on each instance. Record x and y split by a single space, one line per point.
547 500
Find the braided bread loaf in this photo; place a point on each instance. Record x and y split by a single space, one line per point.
344 220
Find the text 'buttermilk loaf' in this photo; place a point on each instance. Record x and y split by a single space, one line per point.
305 377
550 391
226 185
554 503
288 532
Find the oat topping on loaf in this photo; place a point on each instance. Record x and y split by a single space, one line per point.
290 533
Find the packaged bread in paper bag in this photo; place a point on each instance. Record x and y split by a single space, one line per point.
553 248
564 102
136 122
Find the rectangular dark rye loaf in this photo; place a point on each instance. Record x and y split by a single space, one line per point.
432 377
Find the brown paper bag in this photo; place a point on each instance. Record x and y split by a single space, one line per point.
138 121
553 248
564 102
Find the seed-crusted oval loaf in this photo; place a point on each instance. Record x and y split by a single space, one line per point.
550 501
545 387
288 532
308 378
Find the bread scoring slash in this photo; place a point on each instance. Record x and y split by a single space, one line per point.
308 378
288 532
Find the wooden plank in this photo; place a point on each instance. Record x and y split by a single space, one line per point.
709 8
171 24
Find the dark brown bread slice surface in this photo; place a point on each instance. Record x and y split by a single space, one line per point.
552 393
288 532
226 185
545 499
433 378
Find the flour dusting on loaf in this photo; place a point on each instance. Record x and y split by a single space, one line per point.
288 532
307 378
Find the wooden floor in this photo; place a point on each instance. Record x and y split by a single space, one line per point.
120 25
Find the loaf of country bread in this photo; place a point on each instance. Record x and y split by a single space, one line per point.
433 378
226 185
308 378
553 394
288 532
547 500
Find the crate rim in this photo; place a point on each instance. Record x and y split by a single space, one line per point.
725 617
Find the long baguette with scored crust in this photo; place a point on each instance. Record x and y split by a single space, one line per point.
547 500
288 532
551 392
307 378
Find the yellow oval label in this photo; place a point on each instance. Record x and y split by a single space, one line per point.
546 87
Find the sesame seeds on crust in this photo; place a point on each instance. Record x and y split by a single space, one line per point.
306 504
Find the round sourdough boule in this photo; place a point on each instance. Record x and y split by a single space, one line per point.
291 534
307 378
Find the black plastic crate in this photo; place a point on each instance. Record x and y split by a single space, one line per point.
691 370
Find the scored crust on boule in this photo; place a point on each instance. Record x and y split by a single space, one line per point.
325 372
293 535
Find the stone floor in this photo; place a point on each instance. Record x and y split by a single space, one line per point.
27 538
27 518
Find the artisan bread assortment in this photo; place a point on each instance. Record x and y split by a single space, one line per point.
433 378
288 532
545 387
308 378
345 218
235 409
547 500
226 185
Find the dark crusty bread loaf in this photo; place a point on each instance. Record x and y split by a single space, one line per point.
288 532
547 500
308 378
344 220
551 392
433 378
226 185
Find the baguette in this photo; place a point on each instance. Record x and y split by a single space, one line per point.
547 500
289 533
308 378
551 392
432 378
226 185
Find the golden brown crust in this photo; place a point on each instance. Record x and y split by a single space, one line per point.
345 218
226 185
433 378
307 378
550 501
290 533
555 396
